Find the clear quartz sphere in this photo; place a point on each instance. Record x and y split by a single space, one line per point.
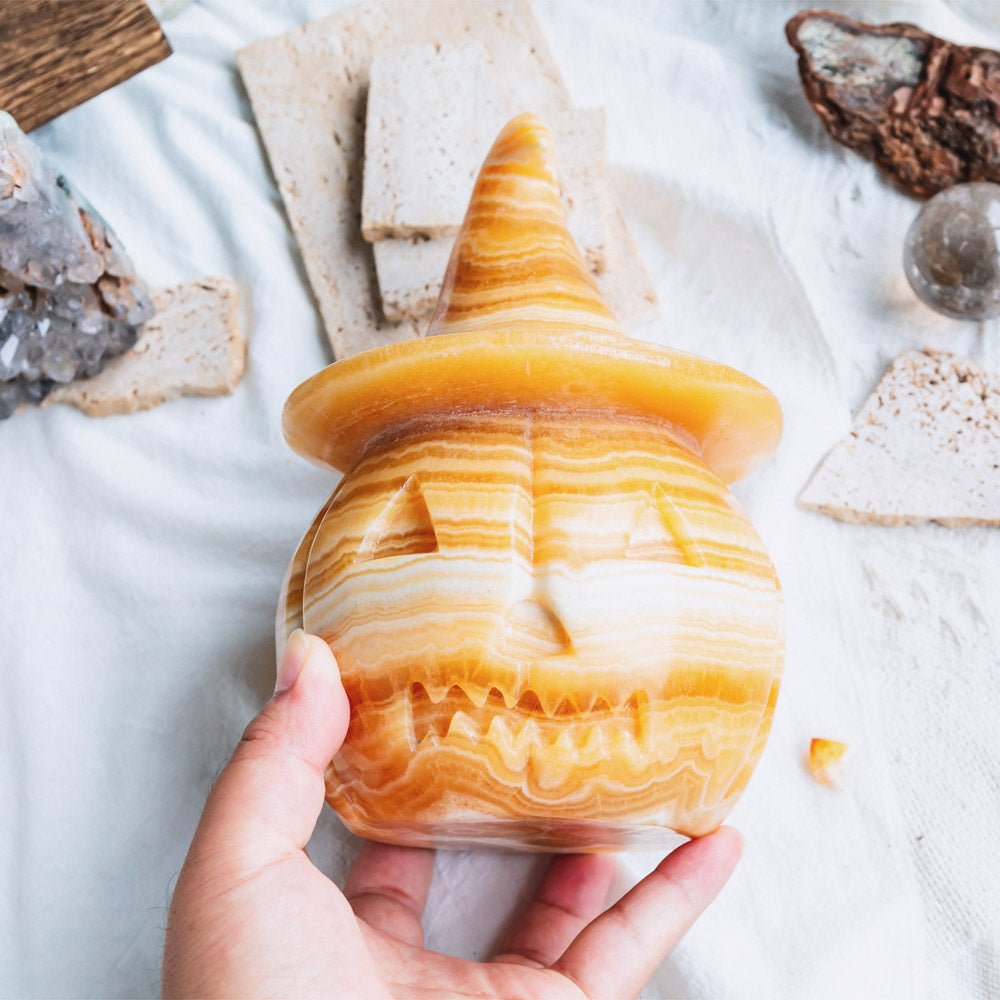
952 252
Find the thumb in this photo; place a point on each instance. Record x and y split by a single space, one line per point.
267 799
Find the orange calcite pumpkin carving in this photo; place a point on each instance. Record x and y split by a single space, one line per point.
555 625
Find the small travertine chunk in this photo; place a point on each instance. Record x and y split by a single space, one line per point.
191 347
924 447
409 275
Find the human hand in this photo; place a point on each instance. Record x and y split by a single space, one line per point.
251 916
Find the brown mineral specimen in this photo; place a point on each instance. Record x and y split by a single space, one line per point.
925 110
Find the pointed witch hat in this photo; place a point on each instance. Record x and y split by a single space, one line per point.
521 324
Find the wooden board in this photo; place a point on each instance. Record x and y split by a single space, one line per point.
56 54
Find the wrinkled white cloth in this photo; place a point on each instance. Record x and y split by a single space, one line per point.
141 556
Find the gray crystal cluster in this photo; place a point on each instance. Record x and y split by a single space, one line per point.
69 298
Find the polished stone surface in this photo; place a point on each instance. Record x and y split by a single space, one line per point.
952 252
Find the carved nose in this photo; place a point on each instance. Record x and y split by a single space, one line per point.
533 631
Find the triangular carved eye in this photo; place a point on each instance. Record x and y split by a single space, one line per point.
662 534
403 528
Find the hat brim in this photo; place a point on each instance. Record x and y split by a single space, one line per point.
730 419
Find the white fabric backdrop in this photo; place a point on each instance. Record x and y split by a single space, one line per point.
140 556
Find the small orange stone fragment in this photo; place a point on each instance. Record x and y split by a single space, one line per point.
827 759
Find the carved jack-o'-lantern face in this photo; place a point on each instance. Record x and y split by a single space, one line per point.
567 622
556 628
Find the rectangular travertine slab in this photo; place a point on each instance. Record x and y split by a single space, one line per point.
191 347
308 90
581 143
433 113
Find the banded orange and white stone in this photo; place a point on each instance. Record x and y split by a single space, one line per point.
556 627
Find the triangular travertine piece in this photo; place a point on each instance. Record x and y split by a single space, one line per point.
924 447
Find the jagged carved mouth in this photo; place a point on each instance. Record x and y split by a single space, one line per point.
527 716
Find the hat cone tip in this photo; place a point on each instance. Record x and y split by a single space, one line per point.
514 264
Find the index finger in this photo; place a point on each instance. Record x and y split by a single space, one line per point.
615 955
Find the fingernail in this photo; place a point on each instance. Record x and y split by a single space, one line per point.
294 658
